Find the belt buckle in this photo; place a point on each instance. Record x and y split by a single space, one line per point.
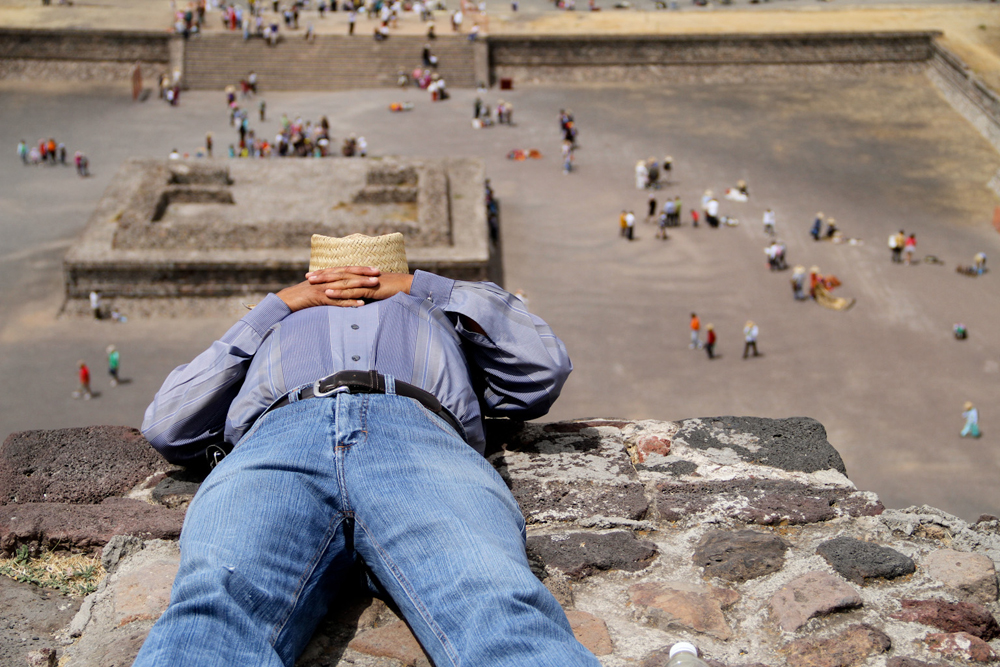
336 389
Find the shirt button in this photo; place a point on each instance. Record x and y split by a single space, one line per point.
355 358
354 326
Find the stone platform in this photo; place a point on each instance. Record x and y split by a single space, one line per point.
213 229
742 535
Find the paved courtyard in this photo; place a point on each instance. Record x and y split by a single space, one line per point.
886 378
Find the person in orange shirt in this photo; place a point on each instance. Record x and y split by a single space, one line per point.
695 331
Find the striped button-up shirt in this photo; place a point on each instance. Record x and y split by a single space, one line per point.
517 369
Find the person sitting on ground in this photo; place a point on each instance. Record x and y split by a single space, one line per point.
342 474
979 263
831 229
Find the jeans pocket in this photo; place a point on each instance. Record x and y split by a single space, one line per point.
441 422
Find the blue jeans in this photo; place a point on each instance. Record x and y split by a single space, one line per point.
322 485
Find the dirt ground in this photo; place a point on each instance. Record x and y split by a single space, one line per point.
886 378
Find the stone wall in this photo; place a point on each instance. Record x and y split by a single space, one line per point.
551 59
742 535
258 242
966 93
71 55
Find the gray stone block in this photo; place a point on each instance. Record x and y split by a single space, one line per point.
579 555
860 562
740 556
795 444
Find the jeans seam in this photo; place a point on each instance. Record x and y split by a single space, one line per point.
412 595
306 576
439 421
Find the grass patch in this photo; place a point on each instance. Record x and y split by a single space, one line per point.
74 574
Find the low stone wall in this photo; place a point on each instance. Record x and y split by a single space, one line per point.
644 58
966 93
742 535
260 243
78 55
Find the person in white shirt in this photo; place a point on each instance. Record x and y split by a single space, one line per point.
750 337
712 212
769 222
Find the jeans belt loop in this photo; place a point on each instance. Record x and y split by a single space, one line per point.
390 385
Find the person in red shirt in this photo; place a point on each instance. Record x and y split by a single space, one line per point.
694 218
909 247
710 341
84 390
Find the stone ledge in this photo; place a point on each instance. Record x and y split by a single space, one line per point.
635 580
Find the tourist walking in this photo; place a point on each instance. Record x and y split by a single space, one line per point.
909 247
567 155
712 213
817 226
630 225
641 175
84 390
971 416
896 243
710 341
695 326
799 282
670 210
769 222
750 332
95 305
113 362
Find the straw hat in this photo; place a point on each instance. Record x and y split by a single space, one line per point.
799 269
386 253
814 269
967 406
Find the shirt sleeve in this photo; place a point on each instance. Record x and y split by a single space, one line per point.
523 363
189 411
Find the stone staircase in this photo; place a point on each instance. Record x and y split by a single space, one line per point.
328 62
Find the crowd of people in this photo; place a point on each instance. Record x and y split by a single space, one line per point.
51 153
483 116
296 138
265 20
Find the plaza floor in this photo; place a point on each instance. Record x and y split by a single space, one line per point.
886 378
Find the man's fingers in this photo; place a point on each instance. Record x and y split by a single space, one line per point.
347 303
341 273
355 293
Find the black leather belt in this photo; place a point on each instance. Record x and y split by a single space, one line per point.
369 382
